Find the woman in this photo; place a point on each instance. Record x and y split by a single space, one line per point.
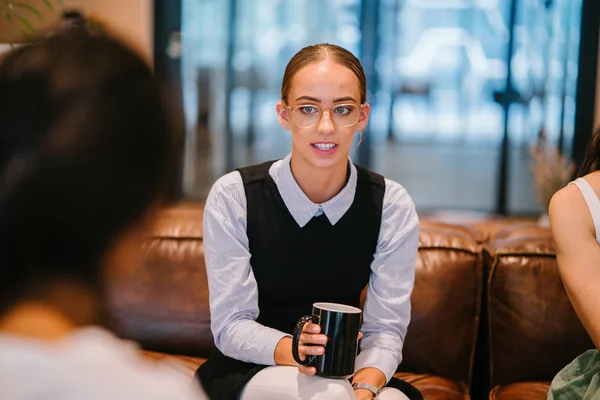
312 227
575 221
84 163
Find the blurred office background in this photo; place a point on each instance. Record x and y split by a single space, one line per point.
460 89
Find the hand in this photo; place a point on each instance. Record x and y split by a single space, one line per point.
312 343
316 345
363 394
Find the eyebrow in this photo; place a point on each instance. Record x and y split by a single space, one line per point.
309 98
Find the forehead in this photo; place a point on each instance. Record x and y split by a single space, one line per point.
325 80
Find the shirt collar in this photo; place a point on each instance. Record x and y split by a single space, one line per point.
300 206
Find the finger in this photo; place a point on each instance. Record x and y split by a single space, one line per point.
360 335
307 370
311 328
313 339
311 350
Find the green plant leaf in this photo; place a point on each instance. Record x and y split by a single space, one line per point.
18 14
29 8
49 4
24 21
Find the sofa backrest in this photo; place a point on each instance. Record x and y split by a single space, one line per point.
532 328
164 306
445 303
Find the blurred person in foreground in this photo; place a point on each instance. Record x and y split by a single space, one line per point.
85 161
575 221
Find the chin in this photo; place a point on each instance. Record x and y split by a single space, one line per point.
329 162
324 162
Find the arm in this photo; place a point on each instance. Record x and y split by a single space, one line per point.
387 307
578 256
232 286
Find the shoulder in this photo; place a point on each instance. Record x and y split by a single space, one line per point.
233 182
567 202
566 197
568 211
397 203
94 364
228 182
227 190
398 206
371 176
397 196
124 370
258 172
393 190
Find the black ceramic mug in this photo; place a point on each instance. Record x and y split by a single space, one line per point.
341 324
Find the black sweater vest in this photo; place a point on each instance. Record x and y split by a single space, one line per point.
295 267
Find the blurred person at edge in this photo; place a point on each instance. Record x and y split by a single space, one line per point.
575 221
85 162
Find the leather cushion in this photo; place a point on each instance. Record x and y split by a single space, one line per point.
533 329
432 387
163 304
445 304
521 390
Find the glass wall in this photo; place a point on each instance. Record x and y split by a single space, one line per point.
438 88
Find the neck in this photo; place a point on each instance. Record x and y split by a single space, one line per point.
318 184
63 309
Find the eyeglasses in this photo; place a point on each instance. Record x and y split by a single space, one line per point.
343 115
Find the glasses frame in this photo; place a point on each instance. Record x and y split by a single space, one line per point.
322 111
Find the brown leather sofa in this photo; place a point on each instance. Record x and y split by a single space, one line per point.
531 328
488 308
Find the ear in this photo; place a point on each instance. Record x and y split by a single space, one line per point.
363 118
283 115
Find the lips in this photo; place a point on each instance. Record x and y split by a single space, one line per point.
324 146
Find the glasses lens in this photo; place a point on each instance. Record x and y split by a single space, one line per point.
345 114
306 115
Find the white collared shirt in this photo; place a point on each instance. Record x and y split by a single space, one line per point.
91 364
233 288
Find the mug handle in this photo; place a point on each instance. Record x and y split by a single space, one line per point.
309 360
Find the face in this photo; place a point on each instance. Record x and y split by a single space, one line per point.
329 86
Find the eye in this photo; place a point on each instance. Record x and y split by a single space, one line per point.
342 110
308 109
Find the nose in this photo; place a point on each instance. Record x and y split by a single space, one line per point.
326 125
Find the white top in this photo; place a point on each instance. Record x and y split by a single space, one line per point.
234 291
89 364
592 202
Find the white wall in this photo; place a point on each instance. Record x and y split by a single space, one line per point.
131 20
